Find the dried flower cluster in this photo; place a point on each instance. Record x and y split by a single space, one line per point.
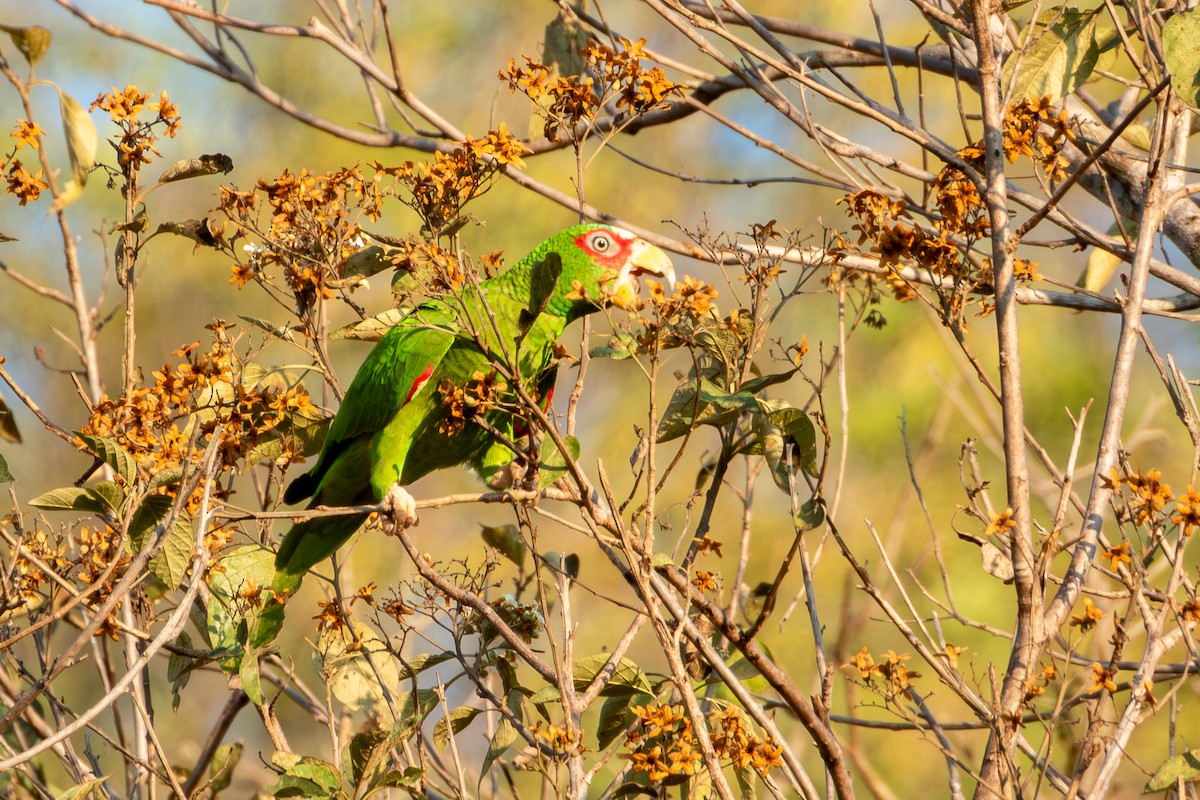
314 227
571 102
890 677
479 396
1143 498
26 186
1032 129
38 554
204 393
664 745
138 135
315 235
525 619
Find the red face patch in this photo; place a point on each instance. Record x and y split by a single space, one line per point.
609 247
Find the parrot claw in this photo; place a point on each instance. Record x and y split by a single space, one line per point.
400 510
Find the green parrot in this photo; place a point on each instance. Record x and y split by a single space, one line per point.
394 425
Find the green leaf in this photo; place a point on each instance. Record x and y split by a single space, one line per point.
284 761
172 561
1185 767
620 346
358 669
627 677
179 668
615 717
110 494
563 45
415 707
811 515
421 662
8 424
1066 45
86 789
502 739
661 560
113 454
71 498
632 788
395 779
319 772
756 385
266 623
781 431
167 477
242 568
726 344
1137 135
82 141
702 402
248 673
231 626
220 769
547 694
5 475
209 164
32 41
367 756
508 540
800 433
364 263
365 753
304 777
1179 36
459 719
554 464
746 780
373 328
296 433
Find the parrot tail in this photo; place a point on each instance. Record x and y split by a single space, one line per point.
309 543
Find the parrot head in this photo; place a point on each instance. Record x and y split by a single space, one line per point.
622 257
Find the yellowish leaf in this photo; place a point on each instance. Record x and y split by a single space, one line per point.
33 41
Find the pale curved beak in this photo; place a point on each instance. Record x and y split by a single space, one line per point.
645 259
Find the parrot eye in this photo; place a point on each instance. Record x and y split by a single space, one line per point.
601 242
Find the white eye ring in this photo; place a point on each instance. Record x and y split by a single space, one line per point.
601 242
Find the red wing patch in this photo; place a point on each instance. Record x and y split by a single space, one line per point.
418 383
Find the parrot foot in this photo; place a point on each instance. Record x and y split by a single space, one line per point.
400 510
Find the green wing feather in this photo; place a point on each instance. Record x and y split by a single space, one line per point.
380 389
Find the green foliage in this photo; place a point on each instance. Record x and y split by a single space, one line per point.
1059 51
244 614
1183 768
1179 52
174 557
